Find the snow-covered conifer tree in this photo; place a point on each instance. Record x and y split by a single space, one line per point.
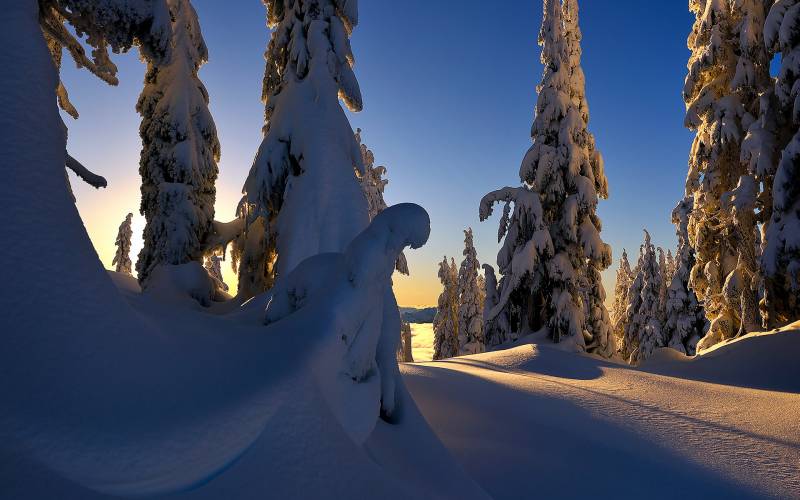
643 328
728 73
302 196
567 171
180 150
445 323
373 184
781 256
625 277
685 321
404 351
470 314
122 259
214 268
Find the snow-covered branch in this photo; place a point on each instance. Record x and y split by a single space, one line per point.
85 174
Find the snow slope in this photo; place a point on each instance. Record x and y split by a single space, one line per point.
536 421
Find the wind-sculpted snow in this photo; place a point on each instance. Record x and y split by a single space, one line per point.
360 372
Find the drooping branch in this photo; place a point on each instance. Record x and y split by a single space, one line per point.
89 177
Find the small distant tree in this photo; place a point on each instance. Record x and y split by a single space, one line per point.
625 277
373 184
445 323
122 260
470 315
180 150
643 329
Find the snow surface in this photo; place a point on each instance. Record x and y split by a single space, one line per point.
538 421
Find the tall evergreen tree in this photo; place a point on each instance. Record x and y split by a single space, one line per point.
781 258
445 323
564 167
302 195
470 314
685 321
643 328
728 73
122 259
180 150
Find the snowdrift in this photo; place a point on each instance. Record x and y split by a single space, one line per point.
539 421
762 360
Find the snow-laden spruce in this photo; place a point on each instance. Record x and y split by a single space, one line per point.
373 185
470 313
180 150
781 257
625 277
728 72
643 328
685 322
557 250
122 260
445 323
302 196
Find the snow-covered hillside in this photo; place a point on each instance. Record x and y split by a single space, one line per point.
535 421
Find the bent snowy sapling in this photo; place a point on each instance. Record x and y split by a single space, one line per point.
360 376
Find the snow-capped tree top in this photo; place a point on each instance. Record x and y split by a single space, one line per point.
306 33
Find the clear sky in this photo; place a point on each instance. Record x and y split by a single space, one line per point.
449 91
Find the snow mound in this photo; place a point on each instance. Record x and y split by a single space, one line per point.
762 360
534 421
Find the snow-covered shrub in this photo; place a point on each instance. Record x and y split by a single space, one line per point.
302 196
180 150
445 323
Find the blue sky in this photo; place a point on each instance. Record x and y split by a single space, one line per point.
449 94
